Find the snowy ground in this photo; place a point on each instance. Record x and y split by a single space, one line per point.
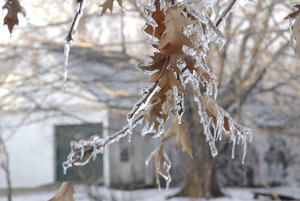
233 194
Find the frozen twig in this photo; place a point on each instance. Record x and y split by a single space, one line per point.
83 150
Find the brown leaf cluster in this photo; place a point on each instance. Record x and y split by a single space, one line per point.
166 73
64 193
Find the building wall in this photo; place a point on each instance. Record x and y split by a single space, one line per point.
31 147
133 173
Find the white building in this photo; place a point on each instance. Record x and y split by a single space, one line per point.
37 122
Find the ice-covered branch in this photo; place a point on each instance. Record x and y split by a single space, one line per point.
83 150
140 105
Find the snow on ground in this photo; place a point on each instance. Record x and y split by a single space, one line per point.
233 194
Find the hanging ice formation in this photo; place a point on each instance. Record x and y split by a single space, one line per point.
161 99
179 34
85 150
78 11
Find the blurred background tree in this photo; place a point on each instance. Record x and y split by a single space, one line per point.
256 67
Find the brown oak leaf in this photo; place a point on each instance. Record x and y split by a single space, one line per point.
162 164
159 17
13 8
64 193
173 35
182 137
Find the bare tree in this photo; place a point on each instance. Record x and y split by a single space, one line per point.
256 48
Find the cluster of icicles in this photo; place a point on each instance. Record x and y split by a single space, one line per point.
84 150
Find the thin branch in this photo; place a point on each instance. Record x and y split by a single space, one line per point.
124 130
225 12
149 94
84 150
75 21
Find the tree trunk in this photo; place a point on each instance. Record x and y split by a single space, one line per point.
200 173
4 164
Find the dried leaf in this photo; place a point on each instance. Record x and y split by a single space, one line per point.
64 193
173 34
108 5
169 30
159 17
162 164
293 15
152 114
182 137
13 8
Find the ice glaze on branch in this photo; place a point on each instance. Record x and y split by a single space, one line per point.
83 150
179 35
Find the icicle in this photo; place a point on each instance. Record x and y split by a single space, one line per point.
220 123
179 105
213 149
233 140
244 151
247 133
168 183
129 130
66 59
78 12
66 166
215 90
129 137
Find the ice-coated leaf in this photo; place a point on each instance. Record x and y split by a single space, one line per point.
162 164
182 137
83 151
64 193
